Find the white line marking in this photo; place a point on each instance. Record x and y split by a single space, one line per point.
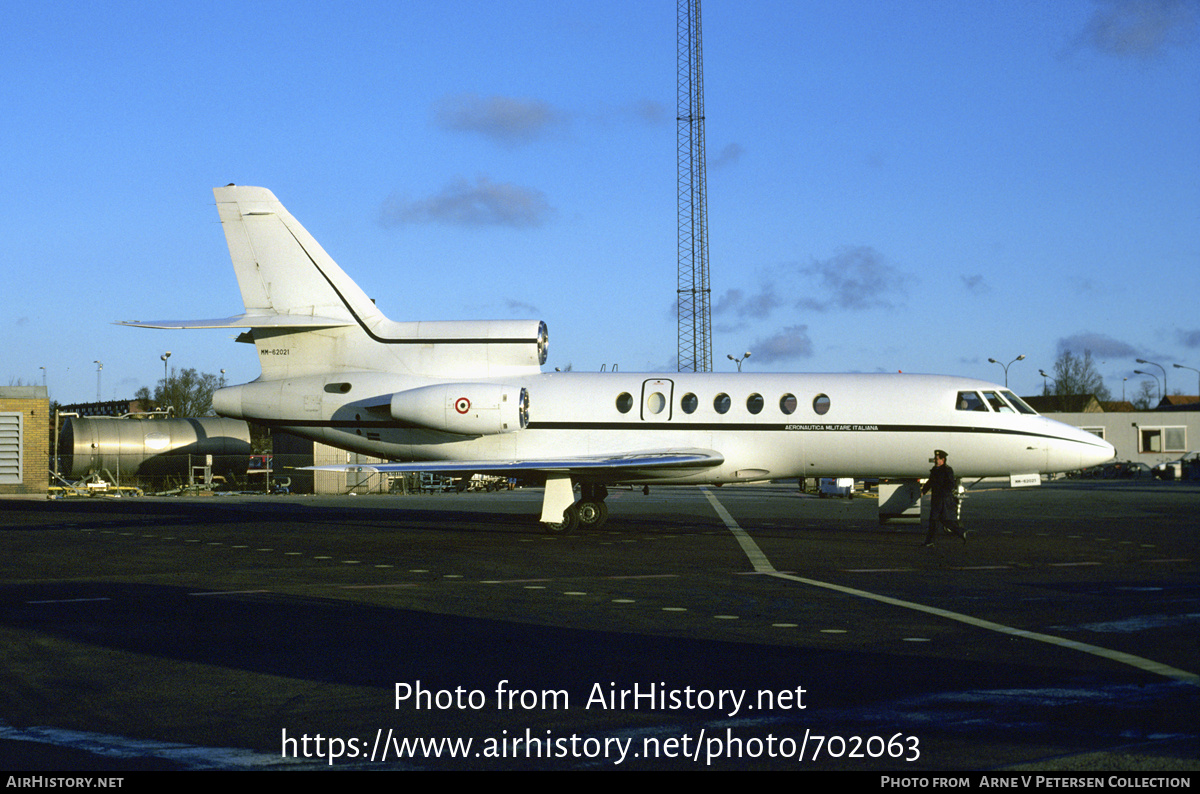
757 558
229 592
763 565
68 600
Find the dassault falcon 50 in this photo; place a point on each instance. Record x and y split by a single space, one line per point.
471 397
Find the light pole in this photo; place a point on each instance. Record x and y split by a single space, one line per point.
99 369
1046 377
1006 366
164 358
738 360
1163 393
1193 369
1151 375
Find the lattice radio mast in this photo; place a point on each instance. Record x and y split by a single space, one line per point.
695 310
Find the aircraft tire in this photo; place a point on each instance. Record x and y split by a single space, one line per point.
592 513
569 523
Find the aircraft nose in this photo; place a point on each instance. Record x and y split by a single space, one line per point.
1073 448
1095 450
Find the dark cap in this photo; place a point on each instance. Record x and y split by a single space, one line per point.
940 453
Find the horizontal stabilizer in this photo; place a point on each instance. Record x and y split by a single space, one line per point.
245 321
628 463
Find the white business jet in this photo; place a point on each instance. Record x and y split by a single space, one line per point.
470 397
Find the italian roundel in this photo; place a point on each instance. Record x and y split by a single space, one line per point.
462 405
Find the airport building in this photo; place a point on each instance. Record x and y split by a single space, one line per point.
24 439
1149 437
291 453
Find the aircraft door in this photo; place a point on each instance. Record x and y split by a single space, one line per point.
657 405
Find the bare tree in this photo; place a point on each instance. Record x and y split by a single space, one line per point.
1078 375
1146 396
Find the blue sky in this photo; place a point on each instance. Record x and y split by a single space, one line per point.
911 185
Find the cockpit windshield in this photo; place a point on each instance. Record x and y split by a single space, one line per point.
998 405
1018 403
1002 402
970 401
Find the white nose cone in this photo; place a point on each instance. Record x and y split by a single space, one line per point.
1072 449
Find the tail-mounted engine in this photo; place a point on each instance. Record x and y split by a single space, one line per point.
469 409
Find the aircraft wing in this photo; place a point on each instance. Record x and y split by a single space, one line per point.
627 463
246 321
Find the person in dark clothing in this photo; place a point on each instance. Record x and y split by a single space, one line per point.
943 510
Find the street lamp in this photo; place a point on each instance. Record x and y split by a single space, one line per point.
1006 366
99 369
164 358
1163 393
1045 377
738 360
1193 369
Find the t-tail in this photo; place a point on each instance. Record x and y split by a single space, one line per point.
307 317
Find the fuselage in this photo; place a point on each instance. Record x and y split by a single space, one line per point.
764 426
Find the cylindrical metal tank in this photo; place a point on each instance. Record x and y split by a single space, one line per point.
152 446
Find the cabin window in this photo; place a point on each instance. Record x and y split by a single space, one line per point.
721 403
1018 403
821 404
655 403
998 405
787 404
970 401
624 402
754 403
689 403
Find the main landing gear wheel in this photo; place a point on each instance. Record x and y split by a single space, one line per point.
592 513
569 523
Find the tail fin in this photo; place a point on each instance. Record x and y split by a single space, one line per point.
307 317
280 268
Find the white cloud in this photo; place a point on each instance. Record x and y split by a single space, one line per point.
483 203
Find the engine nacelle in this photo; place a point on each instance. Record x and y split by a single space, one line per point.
469 409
